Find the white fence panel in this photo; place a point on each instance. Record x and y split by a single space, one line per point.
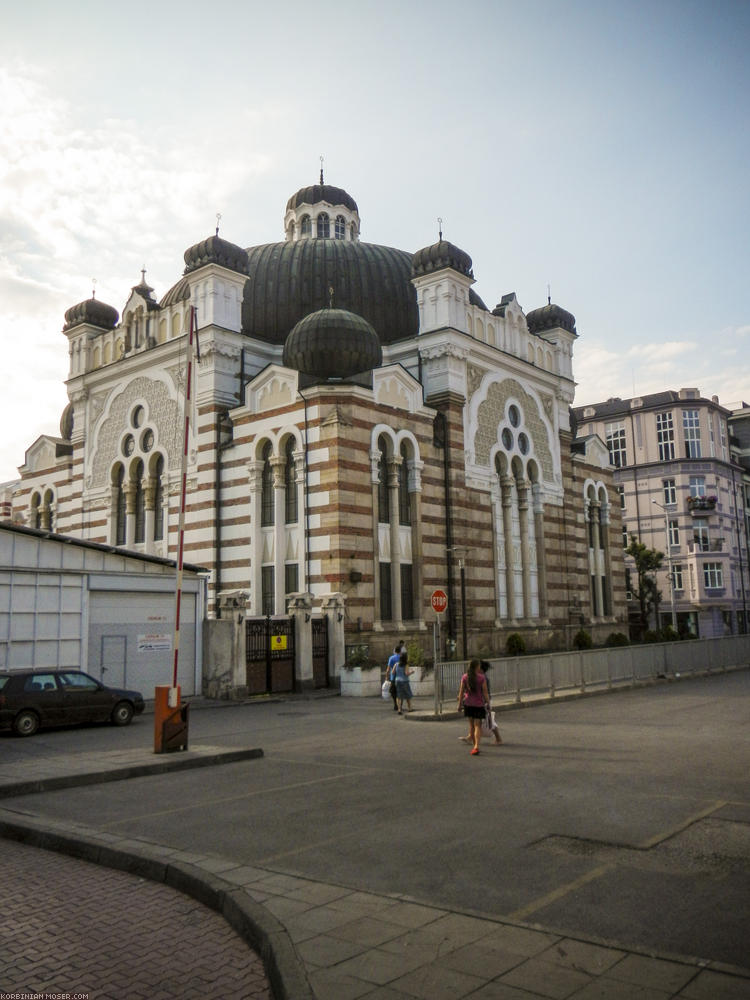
549 673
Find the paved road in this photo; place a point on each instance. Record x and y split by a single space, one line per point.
626 816
622 817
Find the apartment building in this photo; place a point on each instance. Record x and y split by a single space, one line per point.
683 492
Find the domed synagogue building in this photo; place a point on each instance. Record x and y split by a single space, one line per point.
364 430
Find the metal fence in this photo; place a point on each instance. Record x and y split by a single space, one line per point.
520 678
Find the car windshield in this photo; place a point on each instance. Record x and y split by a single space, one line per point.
77 680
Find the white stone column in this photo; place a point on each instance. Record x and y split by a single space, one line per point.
299 607
334 607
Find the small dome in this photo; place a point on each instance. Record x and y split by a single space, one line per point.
441 255
93 312
332 344
215 250
66 423
316 193
549 317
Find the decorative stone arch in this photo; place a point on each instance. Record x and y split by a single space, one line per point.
277 538
486 414
397 540
596 512
158 394
517 504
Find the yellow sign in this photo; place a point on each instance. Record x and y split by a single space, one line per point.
278 642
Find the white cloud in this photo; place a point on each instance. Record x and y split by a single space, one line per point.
78 203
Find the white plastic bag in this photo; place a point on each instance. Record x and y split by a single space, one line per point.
386 692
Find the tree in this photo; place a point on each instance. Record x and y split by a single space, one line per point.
647 561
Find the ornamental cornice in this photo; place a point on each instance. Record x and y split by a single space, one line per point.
445 350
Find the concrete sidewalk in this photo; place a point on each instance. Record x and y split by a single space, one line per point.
334 942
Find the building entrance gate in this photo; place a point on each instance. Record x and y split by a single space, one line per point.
269 655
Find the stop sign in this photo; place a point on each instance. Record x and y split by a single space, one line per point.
439 601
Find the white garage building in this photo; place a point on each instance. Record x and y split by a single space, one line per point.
65 602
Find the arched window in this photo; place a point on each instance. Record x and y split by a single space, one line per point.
340 231
35 517
404 505
48 514
290 484
158 499
120 505
305 227
266 503
384 505
140 502
324 226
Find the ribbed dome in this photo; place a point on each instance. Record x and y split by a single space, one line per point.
550 316
93 312
215 250
332 344
441 255
177 293
316 193
290 280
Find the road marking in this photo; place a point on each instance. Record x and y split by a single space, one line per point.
556 894
660 837
247 794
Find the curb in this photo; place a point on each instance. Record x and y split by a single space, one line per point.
258 928
169 763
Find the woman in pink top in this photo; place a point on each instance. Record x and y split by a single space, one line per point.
474 697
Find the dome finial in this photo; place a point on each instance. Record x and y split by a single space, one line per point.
330 296
549 295
440 227
218 220
321 170
143 275
93 288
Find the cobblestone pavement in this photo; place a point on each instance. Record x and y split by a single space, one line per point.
70 926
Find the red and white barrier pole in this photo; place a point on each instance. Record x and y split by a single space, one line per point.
174 696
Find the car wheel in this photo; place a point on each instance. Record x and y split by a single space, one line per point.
122 713
26 723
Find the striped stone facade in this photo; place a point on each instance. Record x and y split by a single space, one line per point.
451 460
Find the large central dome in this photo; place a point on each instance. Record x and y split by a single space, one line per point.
292 279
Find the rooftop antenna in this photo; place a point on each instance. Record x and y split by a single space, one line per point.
440 227
321 171
93 288
218 220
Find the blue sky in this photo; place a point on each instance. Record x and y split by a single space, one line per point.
598 147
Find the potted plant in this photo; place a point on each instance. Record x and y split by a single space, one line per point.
360 677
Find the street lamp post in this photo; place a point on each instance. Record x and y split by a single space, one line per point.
669 564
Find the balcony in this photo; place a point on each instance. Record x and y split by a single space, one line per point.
699 545
701 506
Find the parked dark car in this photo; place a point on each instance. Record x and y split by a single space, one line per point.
30 699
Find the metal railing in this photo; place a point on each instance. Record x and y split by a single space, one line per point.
520 678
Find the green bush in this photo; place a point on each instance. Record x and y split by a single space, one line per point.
668 634
651 636
515 644
582 639
617 639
